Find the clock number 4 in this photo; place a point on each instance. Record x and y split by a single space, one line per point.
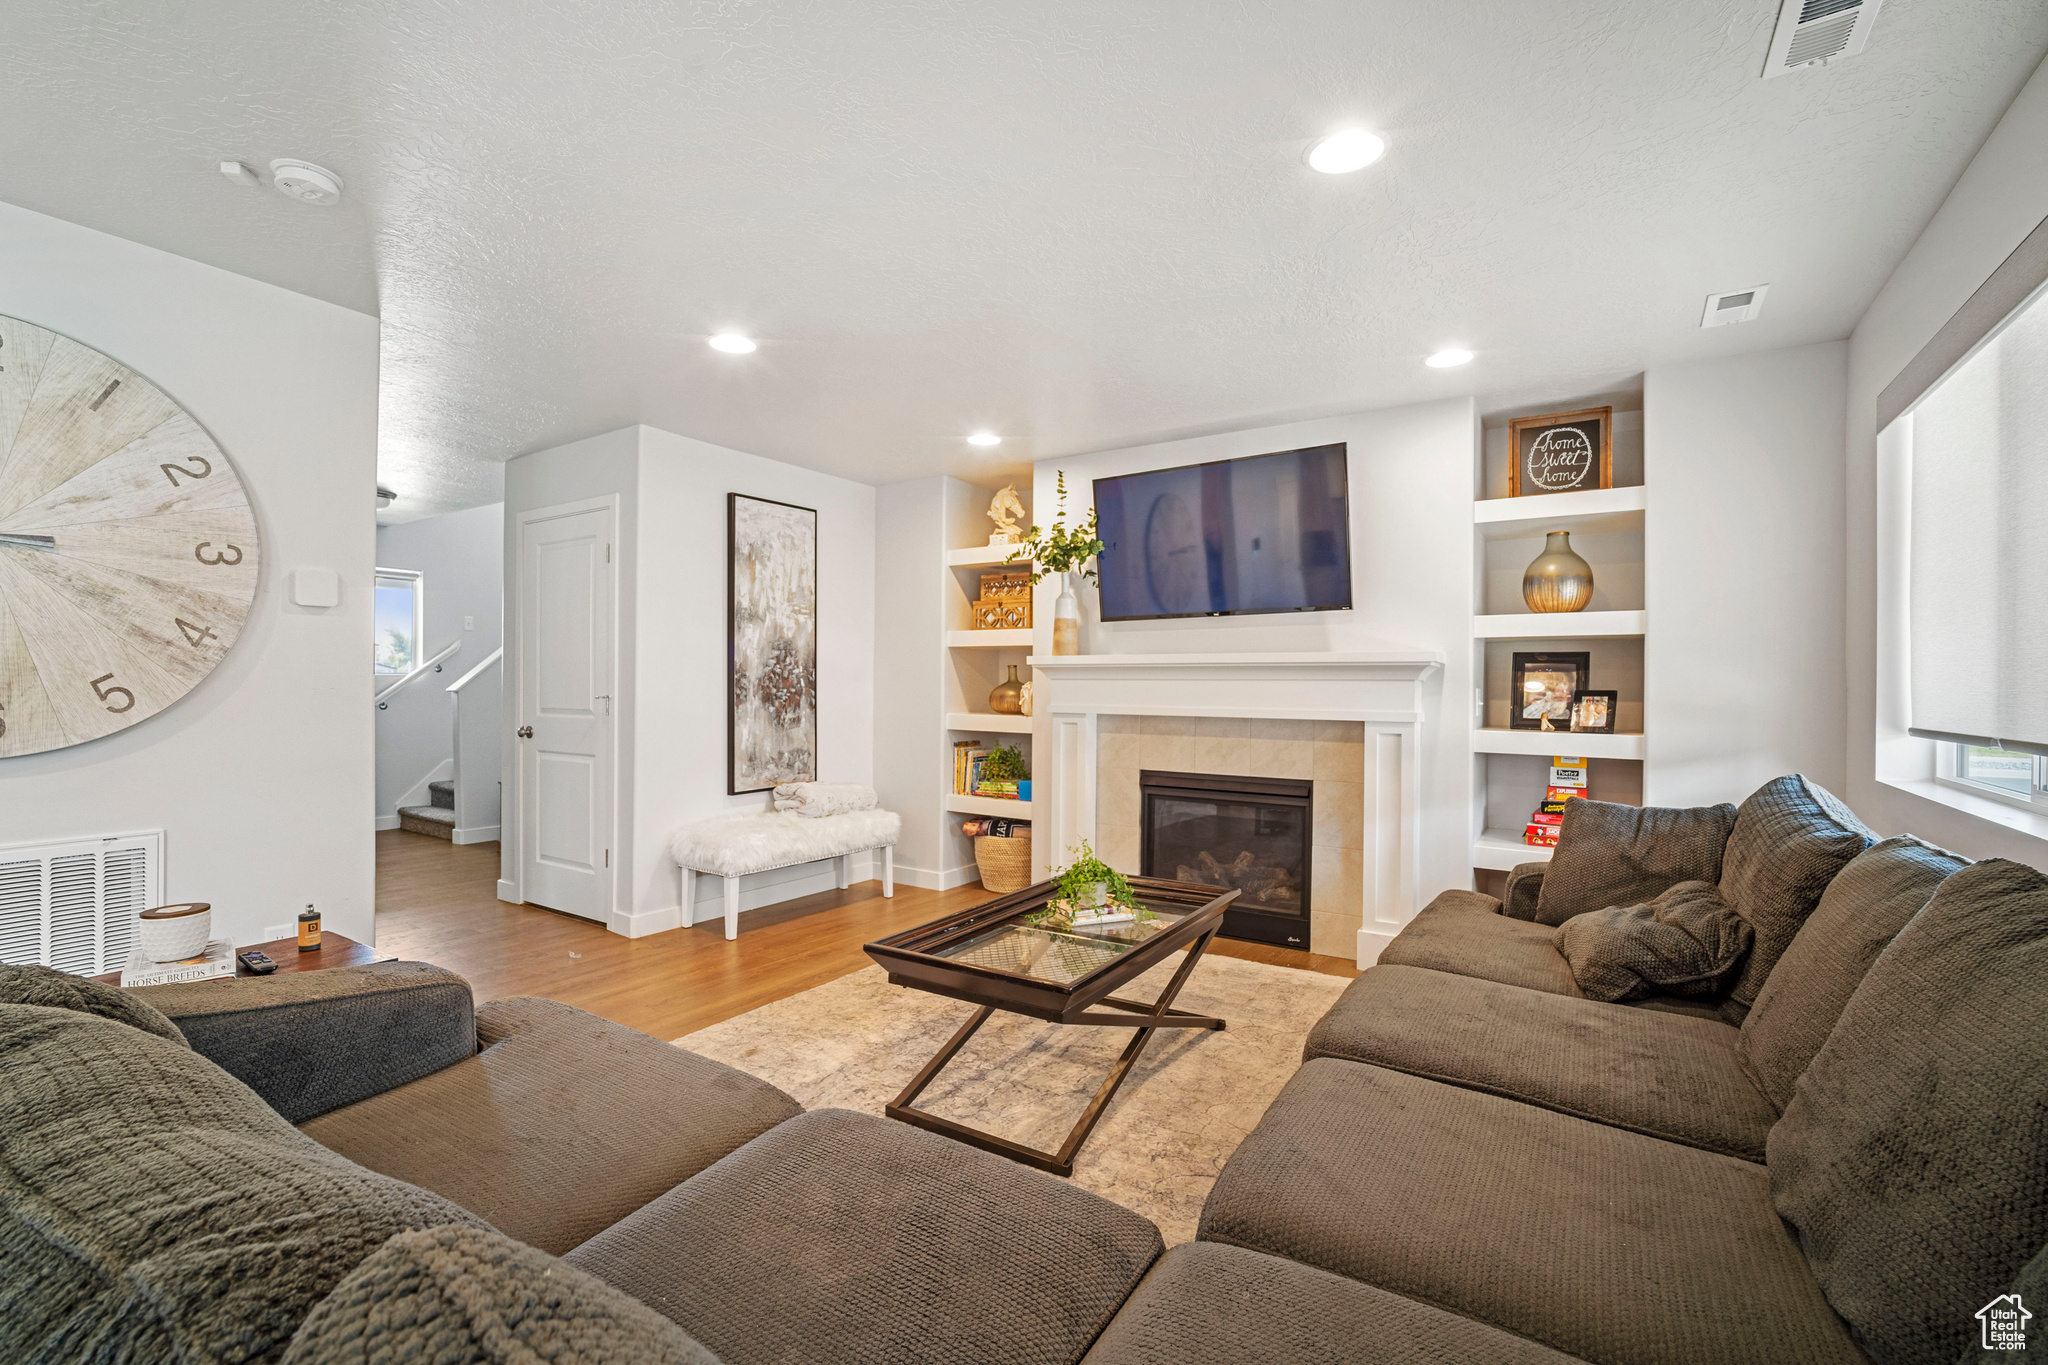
104 693
172 471
220 556
194 635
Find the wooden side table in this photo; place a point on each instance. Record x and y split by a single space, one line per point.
335 950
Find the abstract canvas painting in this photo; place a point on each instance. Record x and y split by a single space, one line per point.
772 644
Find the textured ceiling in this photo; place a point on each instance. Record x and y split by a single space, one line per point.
1082 223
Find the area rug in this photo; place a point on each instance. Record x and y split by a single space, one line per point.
855 1043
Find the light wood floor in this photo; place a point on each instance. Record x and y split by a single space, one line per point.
437 902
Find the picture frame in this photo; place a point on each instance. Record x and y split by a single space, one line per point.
1561 452
1542 687
1593 711
771 643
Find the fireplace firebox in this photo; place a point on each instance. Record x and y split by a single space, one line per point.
1253 834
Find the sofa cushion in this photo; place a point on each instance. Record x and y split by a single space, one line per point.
153 1208
1790 839
471 1296
1862 910
1667 1075
842 1236
1684 942
1463 932
31 985
1911 1156
308 1042
1210 1304
1611 854
562 1125
1615 1247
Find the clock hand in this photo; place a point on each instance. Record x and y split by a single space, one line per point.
28 542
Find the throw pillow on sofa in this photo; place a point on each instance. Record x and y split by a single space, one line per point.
472 1296
30 985
1611 854
153 1208
1790 839
1910 1158
1684 942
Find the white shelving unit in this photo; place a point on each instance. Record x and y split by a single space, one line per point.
988 805
988 720
1552 742
975 661
1502 850
988 639
1531 625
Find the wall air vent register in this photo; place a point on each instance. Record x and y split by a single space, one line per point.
1816 32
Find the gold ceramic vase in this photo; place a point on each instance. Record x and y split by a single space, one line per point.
1557 579
1008 698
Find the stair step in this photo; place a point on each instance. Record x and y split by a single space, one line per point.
435 821
441 794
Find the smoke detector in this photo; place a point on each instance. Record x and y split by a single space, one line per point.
1816 32
385 497
305 182
1737 305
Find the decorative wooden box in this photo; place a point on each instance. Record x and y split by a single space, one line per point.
1005 602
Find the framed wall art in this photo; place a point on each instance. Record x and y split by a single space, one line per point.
1562 452
771 643
1542 687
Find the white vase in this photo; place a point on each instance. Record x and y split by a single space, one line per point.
172 933
1066 619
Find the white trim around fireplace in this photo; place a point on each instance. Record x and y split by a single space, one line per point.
1381 690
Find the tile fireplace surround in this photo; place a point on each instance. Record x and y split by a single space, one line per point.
1349 722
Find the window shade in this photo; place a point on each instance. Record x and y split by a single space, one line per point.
1978 572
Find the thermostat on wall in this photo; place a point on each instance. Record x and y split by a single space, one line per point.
316 587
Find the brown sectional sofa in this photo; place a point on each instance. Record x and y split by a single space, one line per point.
1837 1159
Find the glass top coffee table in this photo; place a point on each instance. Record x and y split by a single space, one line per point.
989 955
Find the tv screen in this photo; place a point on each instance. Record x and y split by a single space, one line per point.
1262 534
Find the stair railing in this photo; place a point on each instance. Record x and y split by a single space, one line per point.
470 676
382 696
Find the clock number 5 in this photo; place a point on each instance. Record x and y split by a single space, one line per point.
172 471
103 693
220 556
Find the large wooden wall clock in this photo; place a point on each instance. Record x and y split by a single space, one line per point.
128 553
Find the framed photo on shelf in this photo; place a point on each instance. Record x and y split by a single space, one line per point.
1561 452
1541 689
1593 712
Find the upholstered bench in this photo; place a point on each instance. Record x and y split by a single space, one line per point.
734 847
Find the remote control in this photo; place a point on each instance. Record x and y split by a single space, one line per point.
259 964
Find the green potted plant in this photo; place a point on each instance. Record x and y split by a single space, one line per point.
1066 551
1005 764
1089 891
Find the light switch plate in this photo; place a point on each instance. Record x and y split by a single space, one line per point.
469 623
316 587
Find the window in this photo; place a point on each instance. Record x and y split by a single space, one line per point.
401 609
2019 779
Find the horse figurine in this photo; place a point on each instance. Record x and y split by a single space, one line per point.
1006 511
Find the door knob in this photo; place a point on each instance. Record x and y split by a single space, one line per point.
526 732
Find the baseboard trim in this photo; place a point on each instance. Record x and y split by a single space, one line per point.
509 894
1370 942
387 821
482 834
640 924
930 880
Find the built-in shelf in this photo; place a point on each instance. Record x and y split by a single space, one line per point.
1559 625
1547 742
988 720
988 639
986 556
988 805
1595 509
1502 850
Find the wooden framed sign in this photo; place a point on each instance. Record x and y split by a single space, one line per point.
1561 452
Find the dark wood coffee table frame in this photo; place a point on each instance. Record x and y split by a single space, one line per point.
911 959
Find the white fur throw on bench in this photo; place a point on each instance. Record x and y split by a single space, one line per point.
734 846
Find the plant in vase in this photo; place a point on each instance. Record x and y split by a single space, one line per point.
1089 891
1066 551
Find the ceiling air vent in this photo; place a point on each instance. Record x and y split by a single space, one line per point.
1737 305
1816 32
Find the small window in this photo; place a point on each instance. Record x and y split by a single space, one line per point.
2017 778
401 609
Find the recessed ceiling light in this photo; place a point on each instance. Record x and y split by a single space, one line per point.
984 438
1445 359
1343 152
732 343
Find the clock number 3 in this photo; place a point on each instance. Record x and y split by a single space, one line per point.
172 471
220 556
194 635
103 693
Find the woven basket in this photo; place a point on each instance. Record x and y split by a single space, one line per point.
1005 863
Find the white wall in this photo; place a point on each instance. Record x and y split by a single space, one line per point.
1999 199
910 762
1744 544
260 776
462 559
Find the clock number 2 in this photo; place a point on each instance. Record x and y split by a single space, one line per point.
220 556
194 635
103 693
172 471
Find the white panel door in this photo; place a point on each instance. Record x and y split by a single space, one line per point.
565 711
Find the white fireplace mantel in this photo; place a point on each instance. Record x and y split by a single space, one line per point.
1380 689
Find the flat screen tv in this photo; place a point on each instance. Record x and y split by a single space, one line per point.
1266 533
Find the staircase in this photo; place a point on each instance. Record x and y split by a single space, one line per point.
437 820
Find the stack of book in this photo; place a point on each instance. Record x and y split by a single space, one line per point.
996 827
1567 781
968 756
216 959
